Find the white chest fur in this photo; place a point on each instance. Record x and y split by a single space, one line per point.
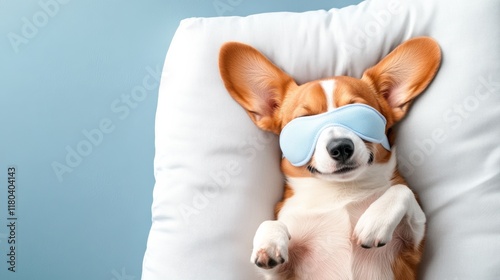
312 195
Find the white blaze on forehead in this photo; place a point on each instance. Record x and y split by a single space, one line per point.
328 89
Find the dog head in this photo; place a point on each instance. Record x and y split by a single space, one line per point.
336 128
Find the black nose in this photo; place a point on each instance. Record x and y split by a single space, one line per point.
340 149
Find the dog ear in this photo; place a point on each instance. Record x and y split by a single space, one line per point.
255 83
404 73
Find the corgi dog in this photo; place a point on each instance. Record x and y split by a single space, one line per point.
346 212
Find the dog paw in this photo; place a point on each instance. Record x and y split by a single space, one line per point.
268 258
270 245
373 232
376 226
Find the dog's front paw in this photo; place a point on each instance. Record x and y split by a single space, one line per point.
270 257
270 245
376 226
373 231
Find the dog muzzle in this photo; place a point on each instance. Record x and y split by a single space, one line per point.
298 138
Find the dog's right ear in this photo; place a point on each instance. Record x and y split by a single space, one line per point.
255 83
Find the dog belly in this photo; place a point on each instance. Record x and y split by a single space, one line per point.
321 248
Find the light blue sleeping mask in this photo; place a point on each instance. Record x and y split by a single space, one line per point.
298 138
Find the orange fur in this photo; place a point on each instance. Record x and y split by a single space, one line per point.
286 195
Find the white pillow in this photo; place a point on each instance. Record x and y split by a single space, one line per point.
217 175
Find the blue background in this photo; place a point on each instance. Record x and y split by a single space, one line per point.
78 87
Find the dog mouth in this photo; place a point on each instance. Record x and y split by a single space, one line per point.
342 170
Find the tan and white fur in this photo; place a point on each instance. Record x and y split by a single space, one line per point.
337 221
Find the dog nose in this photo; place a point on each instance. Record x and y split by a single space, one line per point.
340 149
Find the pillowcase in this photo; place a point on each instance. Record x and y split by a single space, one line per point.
217 175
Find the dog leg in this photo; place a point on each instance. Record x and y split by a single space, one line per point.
270 245
376 226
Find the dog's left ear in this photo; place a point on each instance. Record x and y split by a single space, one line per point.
255 83
404 73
